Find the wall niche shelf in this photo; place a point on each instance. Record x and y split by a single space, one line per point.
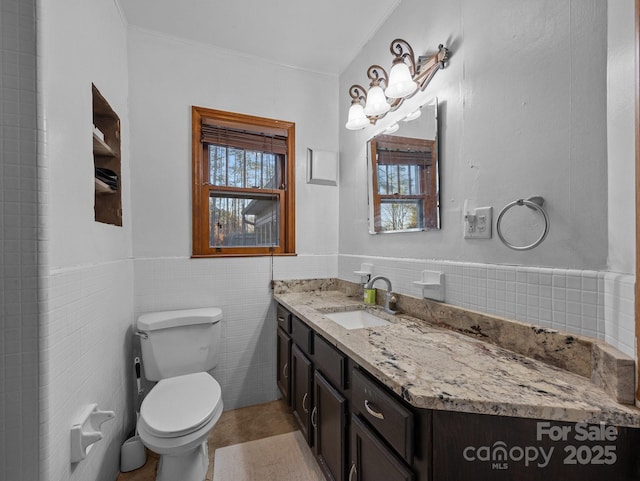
106 157
101 148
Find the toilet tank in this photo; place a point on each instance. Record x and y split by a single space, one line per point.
179 342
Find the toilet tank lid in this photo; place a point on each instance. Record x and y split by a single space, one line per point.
152 321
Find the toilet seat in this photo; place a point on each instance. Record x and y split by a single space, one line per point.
180 405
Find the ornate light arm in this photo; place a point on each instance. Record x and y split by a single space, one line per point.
428 66
397 48
377 75
358 94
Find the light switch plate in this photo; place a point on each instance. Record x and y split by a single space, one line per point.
477 224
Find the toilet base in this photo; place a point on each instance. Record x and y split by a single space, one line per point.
190 466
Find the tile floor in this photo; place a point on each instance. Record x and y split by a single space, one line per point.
234 427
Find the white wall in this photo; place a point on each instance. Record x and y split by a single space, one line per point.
621 72
523 112
87 287
621 135
167 77
537 99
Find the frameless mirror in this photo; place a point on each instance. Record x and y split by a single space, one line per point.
403 174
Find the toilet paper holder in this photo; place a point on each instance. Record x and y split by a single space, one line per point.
86 431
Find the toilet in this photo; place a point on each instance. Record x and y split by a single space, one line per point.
178 348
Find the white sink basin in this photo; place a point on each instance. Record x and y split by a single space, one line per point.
357 319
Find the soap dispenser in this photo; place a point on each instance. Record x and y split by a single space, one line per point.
365 273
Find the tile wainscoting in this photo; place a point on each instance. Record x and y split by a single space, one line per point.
592 303
241 287
85 357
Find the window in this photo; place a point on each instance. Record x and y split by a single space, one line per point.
243 184
405 183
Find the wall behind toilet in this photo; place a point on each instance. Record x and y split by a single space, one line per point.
167 77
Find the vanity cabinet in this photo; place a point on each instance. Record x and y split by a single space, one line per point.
284 359
325 391
283 353
330 423
387 416
361 430
358 429
371 459
312 377
302 391
501 448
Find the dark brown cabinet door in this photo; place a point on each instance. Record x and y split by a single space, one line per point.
371 460
301 391
283 377
329 422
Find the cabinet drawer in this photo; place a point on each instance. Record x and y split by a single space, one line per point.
284 318
302 335
331 362
371 459
384 413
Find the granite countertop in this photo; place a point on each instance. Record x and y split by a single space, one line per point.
435 368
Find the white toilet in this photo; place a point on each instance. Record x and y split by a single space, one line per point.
178 348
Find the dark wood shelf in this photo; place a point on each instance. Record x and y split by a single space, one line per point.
100 147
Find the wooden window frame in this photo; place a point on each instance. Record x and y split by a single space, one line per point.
201 188
428 182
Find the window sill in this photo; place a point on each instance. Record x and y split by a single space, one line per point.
213 256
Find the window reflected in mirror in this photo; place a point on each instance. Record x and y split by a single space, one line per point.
403 175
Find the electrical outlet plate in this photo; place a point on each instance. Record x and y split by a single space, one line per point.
477 224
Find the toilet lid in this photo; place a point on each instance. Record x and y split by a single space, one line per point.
180 405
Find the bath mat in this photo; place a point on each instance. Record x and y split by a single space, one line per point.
285 457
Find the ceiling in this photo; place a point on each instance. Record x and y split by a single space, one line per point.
317 35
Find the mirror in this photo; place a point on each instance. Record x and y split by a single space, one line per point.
403 175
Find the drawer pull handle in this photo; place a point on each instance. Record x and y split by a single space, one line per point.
370 410
281 320
304 402
353 471
314 415
285 370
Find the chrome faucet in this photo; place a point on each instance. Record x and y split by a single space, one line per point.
387 295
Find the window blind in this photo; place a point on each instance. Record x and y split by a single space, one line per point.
244 139
395 150
390 157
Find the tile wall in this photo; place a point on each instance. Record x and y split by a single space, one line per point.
241 287
18 243
593 303
86 338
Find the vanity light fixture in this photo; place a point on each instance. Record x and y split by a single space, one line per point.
406 77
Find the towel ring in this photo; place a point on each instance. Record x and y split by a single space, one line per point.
535 203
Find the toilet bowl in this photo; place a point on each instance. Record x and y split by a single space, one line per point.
175 420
